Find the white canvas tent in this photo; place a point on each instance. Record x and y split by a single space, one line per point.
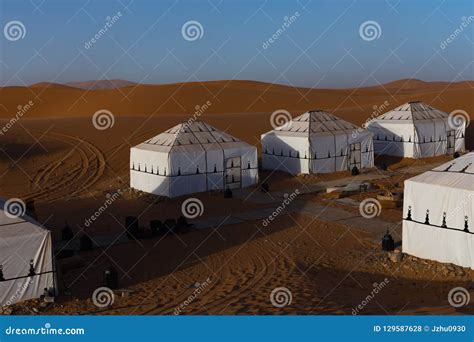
416 130
439 211
192 157
317 142
23 240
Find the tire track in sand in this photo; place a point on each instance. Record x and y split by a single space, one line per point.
72 180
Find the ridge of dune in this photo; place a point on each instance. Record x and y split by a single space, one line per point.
101 84
227 97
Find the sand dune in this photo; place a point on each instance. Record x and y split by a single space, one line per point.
101 84
356 105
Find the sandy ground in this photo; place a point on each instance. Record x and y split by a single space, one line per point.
55 156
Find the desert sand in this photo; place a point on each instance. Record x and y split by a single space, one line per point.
54 156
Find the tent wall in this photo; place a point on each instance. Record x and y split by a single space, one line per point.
459 145
421 139
367 149
285 153
329 152
450 244
191 168
393 138
151 183
20 242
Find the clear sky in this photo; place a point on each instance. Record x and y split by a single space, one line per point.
320 47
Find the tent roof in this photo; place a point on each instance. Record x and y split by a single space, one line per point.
18 226
457 173
412 111
316 121
189 135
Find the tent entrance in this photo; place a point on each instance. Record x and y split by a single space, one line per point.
354 156
451 143
233 172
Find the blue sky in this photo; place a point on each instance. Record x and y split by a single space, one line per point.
322 47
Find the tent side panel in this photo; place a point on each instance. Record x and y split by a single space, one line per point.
393 139
15 257
323 148
151 183
425 132
181 185
286 153
367 144
431 241
249 166
438 244
460 142
440 138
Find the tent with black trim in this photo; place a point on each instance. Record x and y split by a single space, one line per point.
26 258
192 157
416 130
317 142
438 213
